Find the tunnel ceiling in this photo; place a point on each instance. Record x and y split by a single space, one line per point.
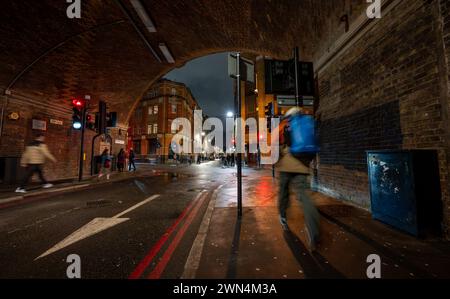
102 55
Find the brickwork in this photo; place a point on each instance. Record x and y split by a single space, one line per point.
60 138
383 92
444 9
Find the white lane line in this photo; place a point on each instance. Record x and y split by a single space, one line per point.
195 255
94 227
137 206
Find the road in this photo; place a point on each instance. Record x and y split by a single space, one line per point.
142 227
147 226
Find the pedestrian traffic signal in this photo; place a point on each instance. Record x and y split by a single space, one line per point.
91 122
78 111
111 119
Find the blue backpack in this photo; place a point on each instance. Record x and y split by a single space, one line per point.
303 138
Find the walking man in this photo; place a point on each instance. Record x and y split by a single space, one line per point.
295 173
132 158
33 159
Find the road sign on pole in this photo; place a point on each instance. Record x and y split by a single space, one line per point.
240 69
246 68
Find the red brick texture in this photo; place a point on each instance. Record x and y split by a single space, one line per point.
385 92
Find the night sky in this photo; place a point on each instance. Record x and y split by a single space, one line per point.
207 77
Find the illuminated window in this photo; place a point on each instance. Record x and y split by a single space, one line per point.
150 129
174 108
155 110
155 129
170 127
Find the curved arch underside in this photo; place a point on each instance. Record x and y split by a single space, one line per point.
102 55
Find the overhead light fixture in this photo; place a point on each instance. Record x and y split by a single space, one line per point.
166 53
142 13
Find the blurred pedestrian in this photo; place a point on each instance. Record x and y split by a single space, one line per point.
294 172
121 157
105 169
33 159
132 160
258 158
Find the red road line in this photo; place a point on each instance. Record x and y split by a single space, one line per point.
137 273
161 266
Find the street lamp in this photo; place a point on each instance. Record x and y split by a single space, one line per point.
230 114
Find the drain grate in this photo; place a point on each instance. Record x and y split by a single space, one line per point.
98 203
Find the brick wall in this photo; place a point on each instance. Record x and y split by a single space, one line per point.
444 9
59 138
383 92
63 142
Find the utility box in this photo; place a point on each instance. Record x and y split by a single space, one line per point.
405 190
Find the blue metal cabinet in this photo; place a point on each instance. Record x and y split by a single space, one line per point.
405 189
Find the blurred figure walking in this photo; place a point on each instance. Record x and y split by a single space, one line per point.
121 157
294 172
34 158
105 161
132 158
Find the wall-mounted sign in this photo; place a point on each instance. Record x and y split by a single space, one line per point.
290 101
40 125
14 116
56 122
122 142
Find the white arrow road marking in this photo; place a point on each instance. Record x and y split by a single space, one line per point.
94 227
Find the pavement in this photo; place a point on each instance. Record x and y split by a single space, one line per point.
256 247
181 222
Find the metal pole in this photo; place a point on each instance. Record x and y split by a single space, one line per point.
297 89
93 154
4 107
239 134
83 129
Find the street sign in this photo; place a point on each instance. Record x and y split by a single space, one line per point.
56 122
39 125
280 77
289 101
247 68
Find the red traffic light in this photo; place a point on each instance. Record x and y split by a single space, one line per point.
78 103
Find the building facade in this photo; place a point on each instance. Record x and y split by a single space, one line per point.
254 101
150 128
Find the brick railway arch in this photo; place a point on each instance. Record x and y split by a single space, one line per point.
101 54
366 70
192 57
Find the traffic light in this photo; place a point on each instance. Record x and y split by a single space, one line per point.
269 114
91 122
78 112
111 119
